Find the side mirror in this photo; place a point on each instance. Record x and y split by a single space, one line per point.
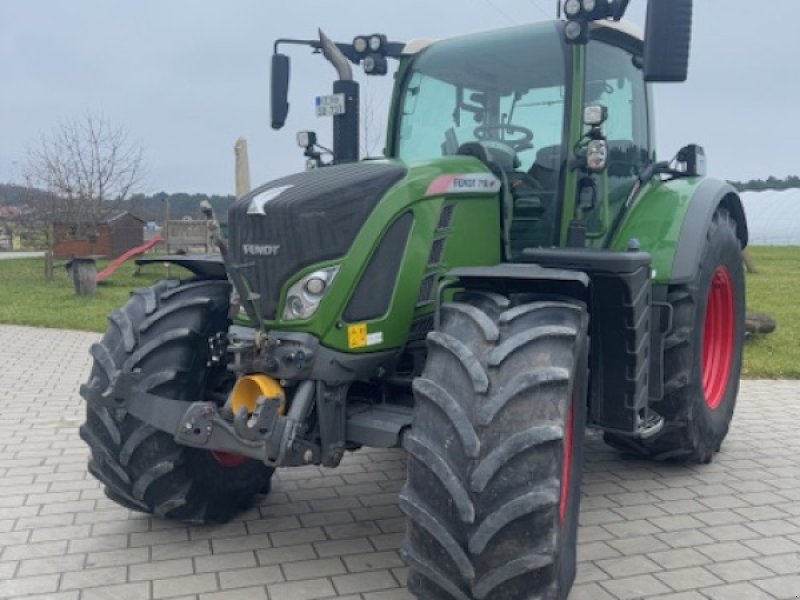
668 36
279 90
693 160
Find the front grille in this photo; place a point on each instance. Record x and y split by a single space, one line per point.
437 249
426 290
446 217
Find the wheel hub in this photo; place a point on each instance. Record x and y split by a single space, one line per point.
718 334
229 460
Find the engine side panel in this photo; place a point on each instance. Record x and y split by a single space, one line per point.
450 228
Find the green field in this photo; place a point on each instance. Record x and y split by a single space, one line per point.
26 299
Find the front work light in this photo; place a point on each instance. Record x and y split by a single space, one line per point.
595 115
360 44
574 31
375 64
597 155
377 42
572 8
306 139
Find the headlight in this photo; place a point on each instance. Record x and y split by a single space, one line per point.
304 296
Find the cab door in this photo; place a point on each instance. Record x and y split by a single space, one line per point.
615 80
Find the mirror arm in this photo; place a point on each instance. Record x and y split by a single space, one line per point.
312 43
653 169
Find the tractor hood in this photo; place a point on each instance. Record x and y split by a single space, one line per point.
303 219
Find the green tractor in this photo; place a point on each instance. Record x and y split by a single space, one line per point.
518 267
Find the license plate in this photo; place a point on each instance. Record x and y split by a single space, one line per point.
331 105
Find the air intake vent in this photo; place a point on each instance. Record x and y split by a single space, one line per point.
445 217
426 290
436 252
376 287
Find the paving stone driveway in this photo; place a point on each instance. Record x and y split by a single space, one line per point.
726 530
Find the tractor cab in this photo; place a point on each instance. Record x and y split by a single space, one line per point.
506 97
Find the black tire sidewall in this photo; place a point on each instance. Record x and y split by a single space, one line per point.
722 249
567 559
213 491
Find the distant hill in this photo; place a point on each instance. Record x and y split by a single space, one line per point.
147 207
17 195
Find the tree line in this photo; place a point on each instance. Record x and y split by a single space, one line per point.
770 183
151 207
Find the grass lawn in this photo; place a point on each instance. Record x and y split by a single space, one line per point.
774 290
26 299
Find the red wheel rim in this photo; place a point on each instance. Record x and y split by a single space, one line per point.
718 338
567 466
229 460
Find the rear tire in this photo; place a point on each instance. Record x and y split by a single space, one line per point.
496 451
165 332
702 356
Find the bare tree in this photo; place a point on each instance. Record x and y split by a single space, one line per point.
88 167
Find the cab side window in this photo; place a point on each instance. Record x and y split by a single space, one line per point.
614 81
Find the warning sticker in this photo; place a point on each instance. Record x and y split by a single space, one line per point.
357 336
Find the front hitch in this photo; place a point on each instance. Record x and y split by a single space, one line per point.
265 435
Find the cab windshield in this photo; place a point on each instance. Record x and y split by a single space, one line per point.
505 88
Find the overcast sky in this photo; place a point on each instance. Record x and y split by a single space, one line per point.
187 77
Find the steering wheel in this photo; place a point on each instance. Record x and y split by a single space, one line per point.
522 143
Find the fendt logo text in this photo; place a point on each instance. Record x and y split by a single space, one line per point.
256 250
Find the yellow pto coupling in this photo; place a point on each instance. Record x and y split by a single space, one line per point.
250 387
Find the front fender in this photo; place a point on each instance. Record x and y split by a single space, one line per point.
205 266
670 221
709 196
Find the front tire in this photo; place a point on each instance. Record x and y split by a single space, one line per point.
495 452
702 356
166 332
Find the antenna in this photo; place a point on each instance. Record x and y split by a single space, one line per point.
558 9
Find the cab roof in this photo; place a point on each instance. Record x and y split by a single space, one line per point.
624 27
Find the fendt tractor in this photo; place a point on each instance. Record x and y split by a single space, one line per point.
517 267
